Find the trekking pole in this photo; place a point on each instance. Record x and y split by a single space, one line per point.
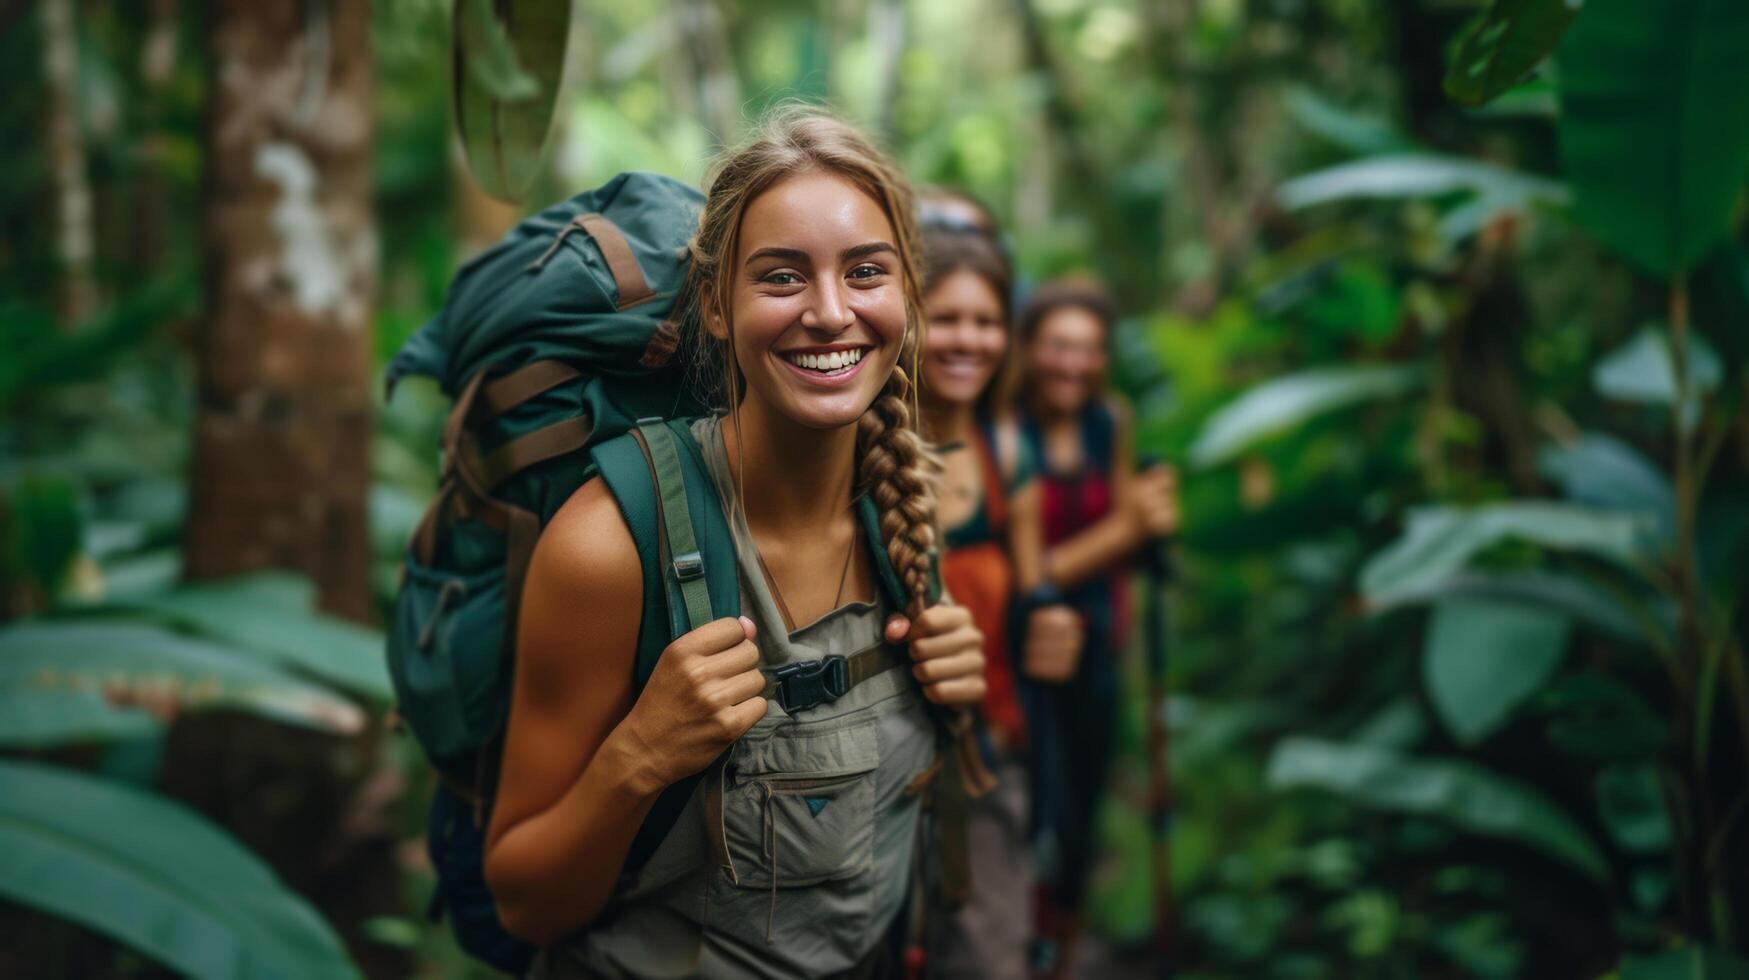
1157 563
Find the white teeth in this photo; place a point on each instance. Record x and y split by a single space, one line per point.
837 360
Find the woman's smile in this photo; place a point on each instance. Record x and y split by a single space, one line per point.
829 365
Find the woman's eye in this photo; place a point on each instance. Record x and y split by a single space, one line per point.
781 279
866 271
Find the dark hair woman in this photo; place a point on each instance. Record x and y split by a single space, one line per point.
793 855
1097 512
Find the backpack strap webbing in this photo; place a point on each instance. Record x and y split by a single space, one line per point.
664 494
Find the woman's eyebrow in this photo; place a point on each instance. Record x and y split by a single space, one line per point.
787 254
800 257
865 250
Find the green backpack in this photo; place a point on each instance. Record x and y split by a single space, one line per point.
560 352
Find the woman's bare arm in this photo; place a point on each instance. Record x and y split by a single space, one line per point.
1026 537
1112 538
572 792
583 759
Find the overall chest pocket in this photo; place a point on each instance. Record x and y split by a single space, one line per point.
799 808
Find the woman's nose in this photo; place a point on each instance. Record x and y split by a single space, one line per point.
829 310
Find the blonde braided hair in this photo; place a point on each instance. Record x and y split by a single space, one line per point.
896 468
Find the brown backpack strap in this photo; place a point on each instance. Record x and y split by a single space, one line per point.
627 276
547 442
995 486
503 394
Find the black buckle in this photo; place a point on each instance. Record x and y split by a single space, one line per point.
688 566
802 685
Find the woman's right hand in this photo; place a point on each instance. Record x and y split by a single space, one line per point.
1154 502
703 695
1052 649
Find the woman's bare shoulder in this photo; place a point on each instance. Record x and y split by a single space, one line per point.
584 583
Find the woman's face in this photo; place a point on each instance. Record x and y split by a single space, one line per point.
817 306
1065 360
963 347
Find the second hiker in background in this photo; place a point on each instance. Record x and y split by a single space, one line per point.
992 554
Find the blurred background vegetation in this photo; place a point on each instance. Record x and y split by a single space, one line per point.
1454 363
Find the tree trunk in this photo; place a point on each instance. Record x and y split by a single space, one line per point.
282 440
283 431
66 146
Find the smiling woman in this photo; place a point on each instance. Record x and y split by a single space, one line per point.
794 852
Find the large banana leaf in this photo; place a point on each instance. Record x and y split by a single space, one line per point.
74 680
274 613
1653 130
155 876
1501 48
1569 595
1439 541
509 61
1282 403
1465 795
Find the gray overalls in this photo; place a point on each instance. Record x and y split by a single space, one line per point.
793 858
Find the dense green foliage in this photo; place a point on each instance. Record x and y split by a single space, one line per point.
1458 389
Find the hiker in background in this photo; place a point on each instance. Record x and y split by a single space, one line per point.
794 855
956 212
992 553
1098 512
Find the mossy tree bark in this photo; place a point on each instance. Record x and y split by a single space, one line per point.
282 440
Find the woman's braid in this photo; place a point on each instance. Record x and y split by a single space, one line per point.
898 473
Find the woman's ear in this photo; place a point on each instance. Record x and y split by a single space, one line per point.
714 324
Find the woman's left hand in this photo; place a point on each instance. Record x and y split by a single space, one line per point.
947 654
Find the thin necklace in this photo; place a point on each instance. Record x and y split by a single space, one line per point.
777 590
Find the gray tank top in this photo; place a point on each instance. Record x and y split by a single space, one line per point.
793 857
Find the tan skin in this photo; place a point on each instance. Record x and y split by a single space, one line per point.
1066 361
584 760
968 336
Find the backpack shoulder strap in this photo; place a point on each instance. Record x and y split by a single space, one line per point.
688 561
891 587
684 547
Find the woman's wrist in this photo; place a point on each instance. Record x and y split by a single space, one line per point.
630 762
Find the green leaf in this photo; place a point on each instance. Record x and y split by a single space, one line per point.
1467 796
42 530
1596 718
274 613
1600 469
1439 541
1418 175
61 671
1653 134
510 58
38 358
1483 659
155 876
1356 132
1569 595
1505 45
1632 808
32 718
490 57
1282 403
1641 371
1691 963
